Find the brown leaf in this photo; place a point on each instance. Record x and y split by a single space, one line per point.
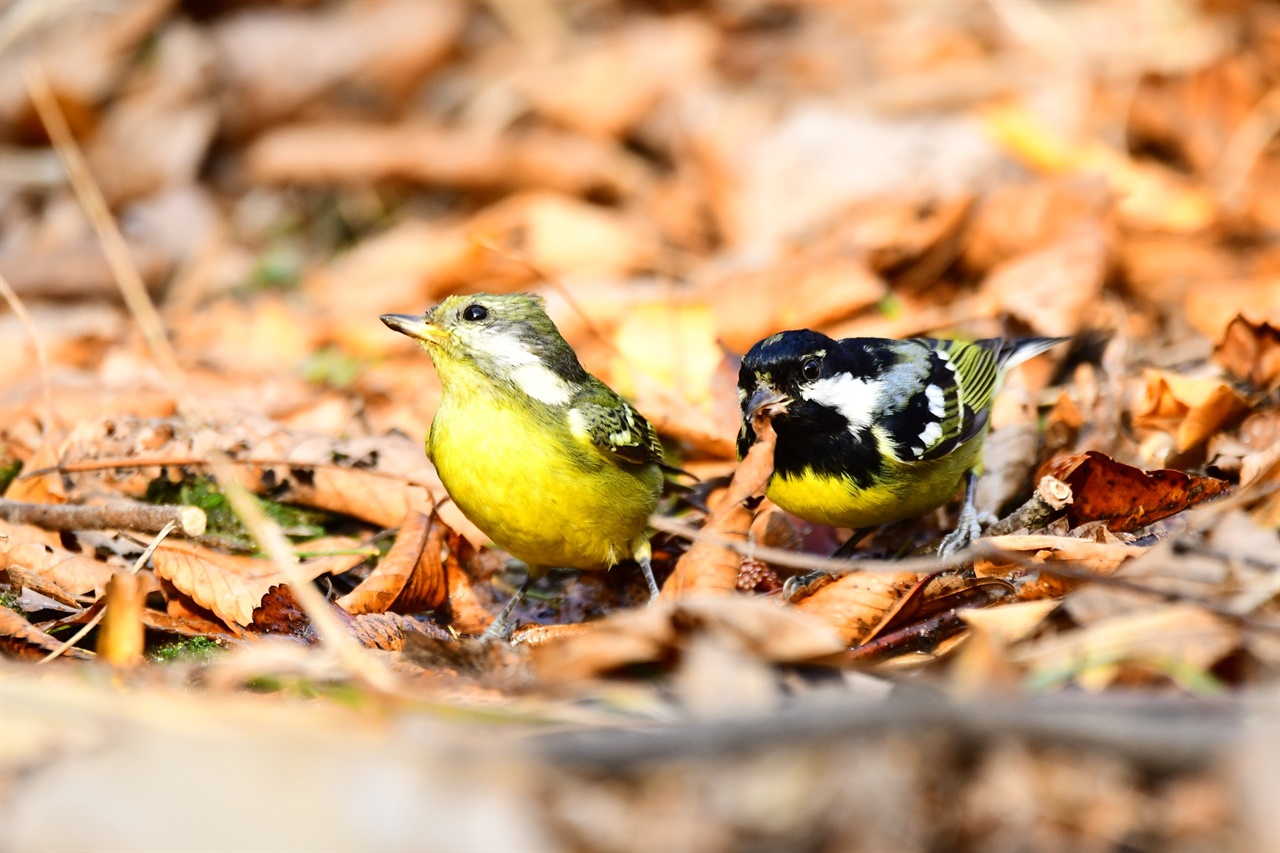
21 639
281 614
185 625
230 586
121 638
710 568
937 593
411 578
387 631
659 633
1251 352
20 579
1127 498
857 603
1193 409
38 551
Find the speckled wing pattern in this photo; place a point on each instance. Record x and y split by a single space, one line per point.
614 426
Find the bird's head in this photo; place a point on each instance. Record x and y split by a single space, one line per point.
805 377
507 338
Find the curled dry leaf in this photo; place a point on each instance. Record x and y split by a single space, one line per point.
40 552
710 568
938 593
857 603
19 638
1192 409
20 579
1127 498
1251 352
1069 553
660 633
411 578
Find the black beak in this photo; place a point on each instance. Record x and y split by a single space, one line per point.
768 401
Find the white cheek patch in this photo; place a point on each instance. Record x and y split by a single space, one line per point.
937 405
541 383
853 398
527 372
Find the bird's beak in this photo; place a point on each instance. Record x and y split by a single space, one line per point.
418 327
766 401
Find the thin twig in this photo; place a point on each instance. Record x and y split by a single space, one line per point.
814 562
93 623
42 356
116 514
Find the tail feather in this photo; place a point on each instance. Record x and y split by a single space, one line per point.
1014 352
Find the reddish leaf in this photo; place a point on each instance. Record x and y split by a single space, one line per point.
1127 498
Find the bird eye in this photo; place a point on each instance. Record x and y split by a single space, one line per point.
810 369
474 313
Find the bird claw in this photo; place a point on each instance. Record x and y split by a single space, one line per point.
797 587
967 530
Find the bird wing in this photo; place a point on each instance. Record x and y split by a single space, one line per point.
940 395
613 425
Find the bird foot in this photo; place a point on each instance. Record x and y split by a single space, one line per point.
967 530
797 587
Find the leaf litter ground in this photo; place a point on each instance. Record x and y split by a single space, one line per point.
1097 673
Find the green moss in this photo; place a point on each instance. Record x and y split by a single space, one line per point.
224 527
9 470
195 649
9 600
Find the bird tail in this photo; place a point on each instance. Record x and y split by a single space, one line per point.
1012 353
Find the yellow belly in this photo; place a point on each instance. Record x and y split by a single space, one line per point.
545 501
909 490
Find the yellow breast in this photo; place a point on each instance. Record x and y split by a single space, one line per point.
539 494
906 490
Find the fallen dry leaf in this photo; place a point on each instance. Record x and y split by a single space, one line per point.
411 577
40 551
19 638
856 603
231 587
1251 353
387 631
1193 409
710 568
1127 498
657 634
